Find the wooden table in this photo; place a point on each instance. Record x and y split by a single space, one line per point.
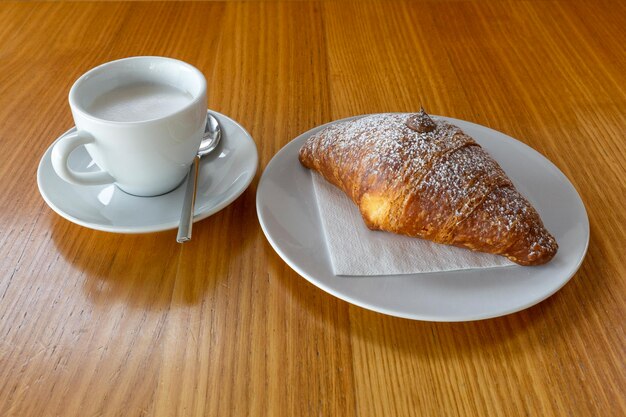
94 323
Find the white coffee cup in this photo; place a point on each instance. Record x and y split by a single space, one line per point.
145 151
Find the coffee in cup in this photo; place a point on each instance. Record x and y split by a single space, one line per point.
141 119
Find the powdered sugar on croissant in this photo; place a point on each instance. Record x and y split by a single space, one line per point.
423 177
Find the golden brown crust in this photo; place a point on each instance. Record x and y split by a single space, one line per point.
421 177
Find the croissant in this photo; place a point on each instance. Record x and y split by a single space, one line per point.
423 177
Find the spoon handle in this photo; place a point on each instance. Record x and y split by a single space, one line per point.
186 215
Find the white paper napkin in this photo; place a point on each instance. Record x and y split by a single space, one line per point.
356 250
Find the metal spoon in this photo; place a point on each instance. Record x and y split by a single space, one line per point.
210 140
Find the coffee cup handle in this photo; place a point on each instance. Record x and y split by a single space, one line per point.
60 154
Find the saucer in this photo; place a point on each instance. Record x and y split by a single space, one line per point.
223 176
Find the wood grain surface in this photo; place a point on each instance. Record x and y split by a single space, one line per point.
94 323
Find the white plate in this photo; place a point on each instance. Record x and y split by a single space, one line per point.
223 176
288 214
